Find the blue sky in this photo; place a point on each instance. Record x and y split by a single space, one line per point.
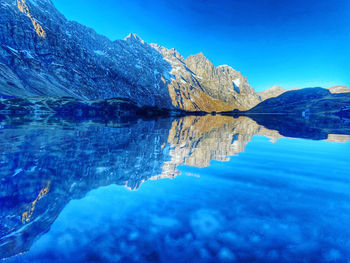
293 44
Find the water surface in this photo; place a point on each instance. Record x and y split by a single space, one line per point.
194 189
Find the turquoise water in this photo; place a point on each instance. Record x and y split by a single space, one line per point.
198 189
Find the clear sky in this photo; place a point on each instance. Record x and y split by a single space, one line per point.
293 44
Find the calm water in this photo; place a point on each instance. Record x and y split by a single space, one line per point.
196 189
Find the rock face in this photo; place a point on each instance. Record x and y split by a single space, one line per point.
223 82
198 84
43 54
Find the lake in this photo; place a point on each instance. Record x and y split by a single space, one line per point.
191 189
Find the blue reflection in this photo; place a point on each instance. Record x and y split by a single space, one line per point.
274 200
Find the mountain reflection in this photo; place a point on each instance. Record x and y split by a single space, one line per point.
195 141
46 163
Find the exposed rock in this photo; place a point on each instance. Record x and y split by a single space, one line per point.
273 92
223 83
339 89
185 90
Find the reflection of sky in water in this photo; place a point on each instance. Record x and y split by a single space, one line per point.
277 202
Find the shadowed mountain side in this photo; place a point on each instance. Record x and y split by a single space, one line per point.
314 100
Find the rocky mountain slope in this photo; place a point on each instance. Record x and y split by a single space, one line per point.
44 54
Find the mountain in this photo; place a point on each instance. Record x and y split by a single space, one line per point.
312 100
44 54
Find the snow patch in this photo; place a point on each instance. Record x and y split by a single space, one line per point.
237 82
236 88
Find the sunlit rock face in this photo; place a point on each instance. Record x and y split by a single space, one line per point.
21 4
198 85
223 83
185 89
